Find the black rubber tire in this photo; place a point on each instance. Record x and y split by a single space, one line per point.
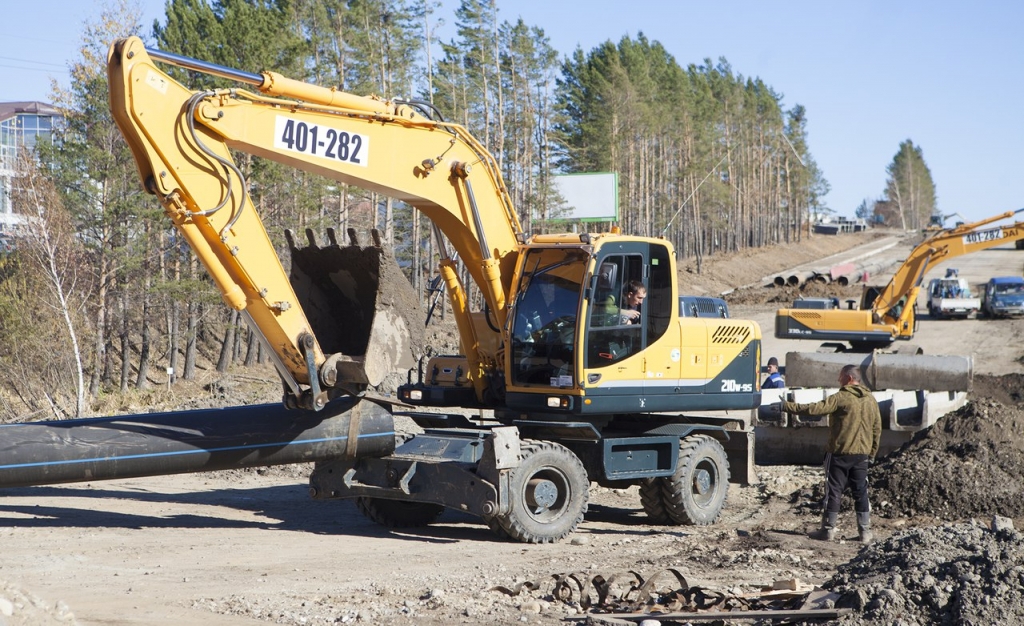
495 526
398 513
549 471
653 501
695 494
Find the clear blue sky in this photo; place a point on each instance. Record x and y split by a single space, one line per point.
945 74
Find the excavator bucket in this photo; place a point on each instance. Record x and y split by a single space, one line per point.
360 306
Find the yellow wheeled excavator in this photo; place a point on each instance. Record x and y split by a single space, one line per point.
886 314
580 391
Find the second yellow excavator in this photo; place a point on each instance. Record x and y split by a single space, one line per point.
886 314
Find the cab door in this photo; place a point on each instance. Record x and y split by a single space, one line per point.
662 332
613 355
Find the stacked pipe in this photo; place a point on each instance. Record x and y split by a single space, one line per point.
843 274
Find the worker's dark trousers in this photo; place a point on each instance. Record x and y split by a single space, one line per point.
843 469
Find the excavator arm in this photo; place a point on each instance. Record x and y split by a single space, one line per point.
181 141
887 315
941 247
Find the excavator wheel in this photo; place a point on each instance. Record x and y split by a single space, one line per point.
548 492
398 513
495 525
695 494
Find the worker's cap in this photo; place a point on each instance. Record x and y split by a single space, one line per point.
773 361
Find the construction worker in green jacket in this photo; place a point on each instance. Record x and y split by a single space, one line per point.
855 428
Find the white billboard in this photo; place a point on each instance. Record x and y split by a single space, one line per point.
591 197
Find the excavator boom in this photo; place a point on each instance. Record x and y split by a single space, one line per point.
182 140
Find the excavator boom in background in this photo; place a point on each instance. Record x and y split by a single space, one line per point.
887 314
579 390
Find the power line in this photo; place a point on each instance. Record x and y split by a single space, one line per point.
31 69
31 61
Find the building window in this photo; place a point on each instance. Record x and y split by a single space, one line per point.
22 125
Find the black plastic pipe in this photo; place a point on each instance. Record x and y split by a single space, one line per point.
157 444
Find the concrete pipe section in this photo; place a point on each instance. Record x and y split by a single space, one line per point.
882 370
799 278
156 444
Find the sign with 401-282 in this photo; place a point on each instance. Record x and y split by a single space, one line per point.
982 236
321 140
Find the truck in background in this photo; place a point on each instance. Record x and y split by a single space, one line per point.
1003 297
951 297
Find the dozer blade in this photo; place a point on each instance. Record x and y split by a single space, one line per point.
360 306
881 370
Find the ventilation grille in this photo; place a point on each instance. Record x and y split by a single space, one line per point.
731 334
804 314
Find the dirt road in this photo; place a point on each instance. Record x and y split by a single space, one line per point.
251 547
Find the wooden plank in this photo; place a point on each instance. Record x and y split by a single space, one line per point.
726 616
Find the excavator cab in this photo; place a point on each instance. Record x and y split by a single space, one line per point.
544 323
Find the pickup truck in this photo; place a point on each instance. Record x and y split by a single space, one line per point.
951 298
1004 296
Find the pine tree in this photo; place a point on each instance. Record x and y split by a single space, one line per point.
909 187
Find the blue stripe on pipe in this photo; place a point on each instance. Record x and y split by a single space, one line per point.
205 450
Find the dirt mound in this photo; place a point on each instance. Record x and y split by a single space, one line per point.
784 296
1007 389
19 607
951 574
968 464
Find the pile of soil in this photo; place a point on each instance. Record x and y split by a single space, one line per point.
750 267
951 574
968 464
784 296
19 607
1007 389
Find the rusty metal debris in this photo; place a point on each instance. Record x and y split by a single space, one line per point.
666 595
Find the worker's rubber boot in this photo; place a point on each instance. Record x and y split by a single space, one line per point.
827 532
864 534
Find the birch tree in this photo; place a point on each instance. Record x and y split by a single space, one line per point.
47 242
